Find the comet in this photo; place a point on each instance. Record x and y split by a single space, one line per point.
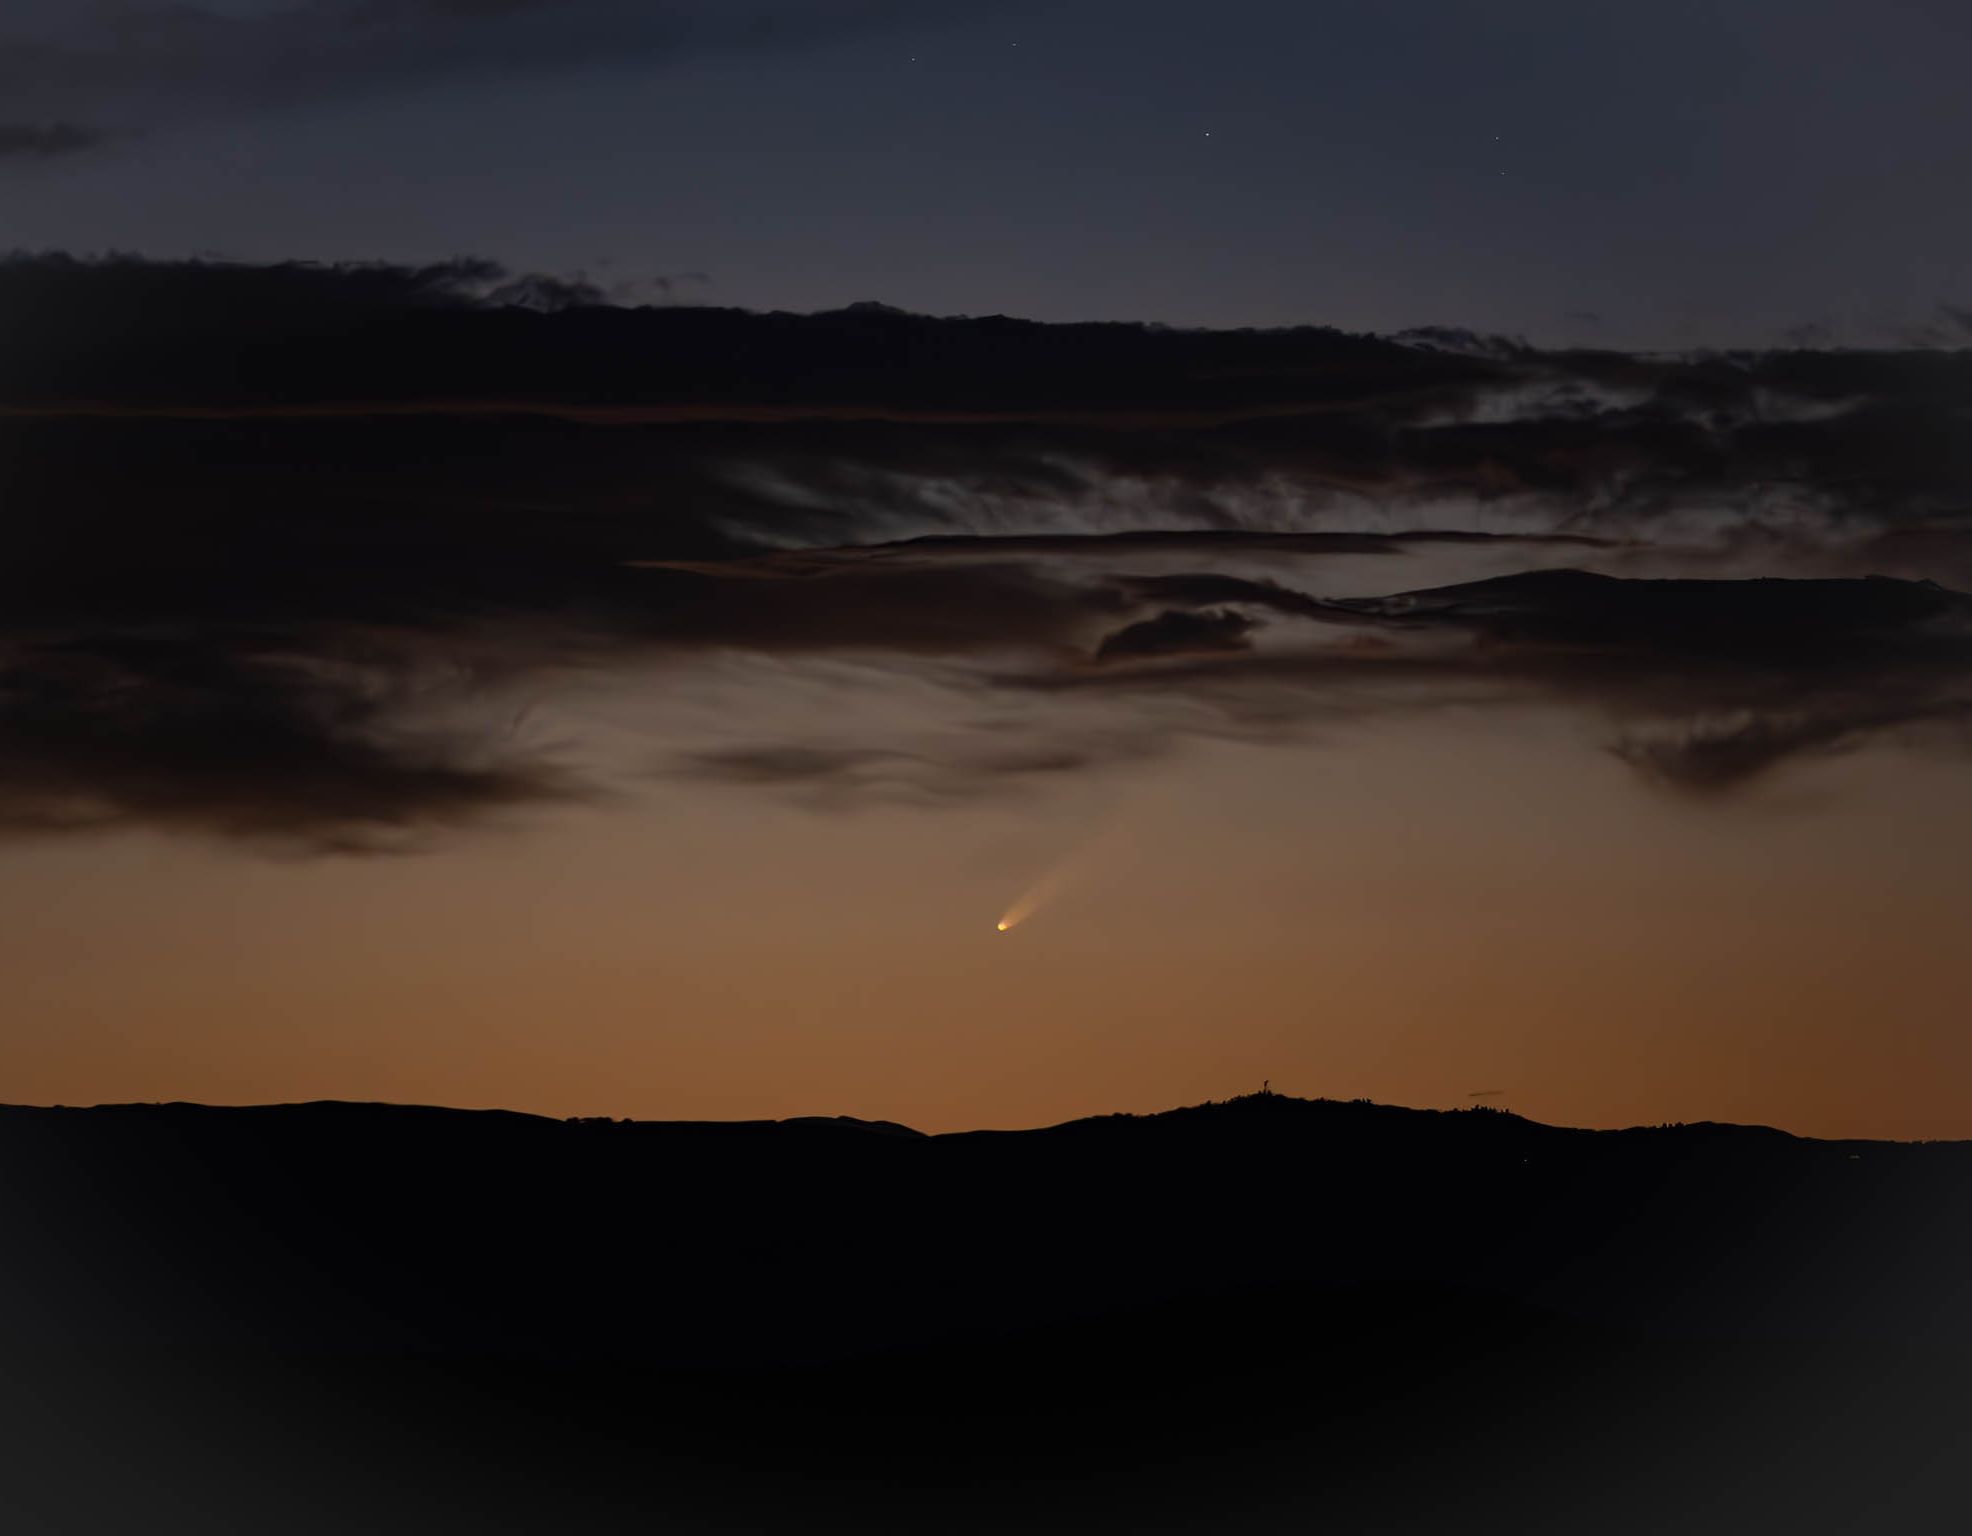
1071 865
1031 900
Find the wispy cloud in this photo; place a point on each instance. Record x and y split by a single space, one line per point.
289 542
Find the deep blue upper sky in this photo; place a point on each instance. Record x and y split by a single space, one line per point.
1656 175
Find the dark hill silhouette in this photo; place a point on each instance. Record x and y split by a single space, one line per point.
1245 1315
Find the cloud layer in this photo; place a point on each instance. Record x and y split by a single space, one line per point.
292 545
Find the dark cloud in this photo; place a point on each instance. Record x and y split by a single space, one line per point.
897 414
299 336
783 764
1718 681
795 603
1199 588
1176 632
1709 684
286 543
1809 334
1709 756
1451 338
938 774
45 141
1805 626
1222 542
283 750
149 62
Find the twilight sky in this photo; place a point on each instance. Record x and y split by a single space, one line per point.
640 689
1679 174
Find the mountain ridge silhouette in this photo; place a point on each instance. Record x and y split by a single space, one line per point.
1255 1102
1233 1316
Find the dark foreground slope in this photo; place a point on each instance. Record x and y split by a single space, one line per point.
1270 1314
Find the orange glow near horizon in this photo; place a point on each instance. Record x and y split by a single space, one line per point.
1347 920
